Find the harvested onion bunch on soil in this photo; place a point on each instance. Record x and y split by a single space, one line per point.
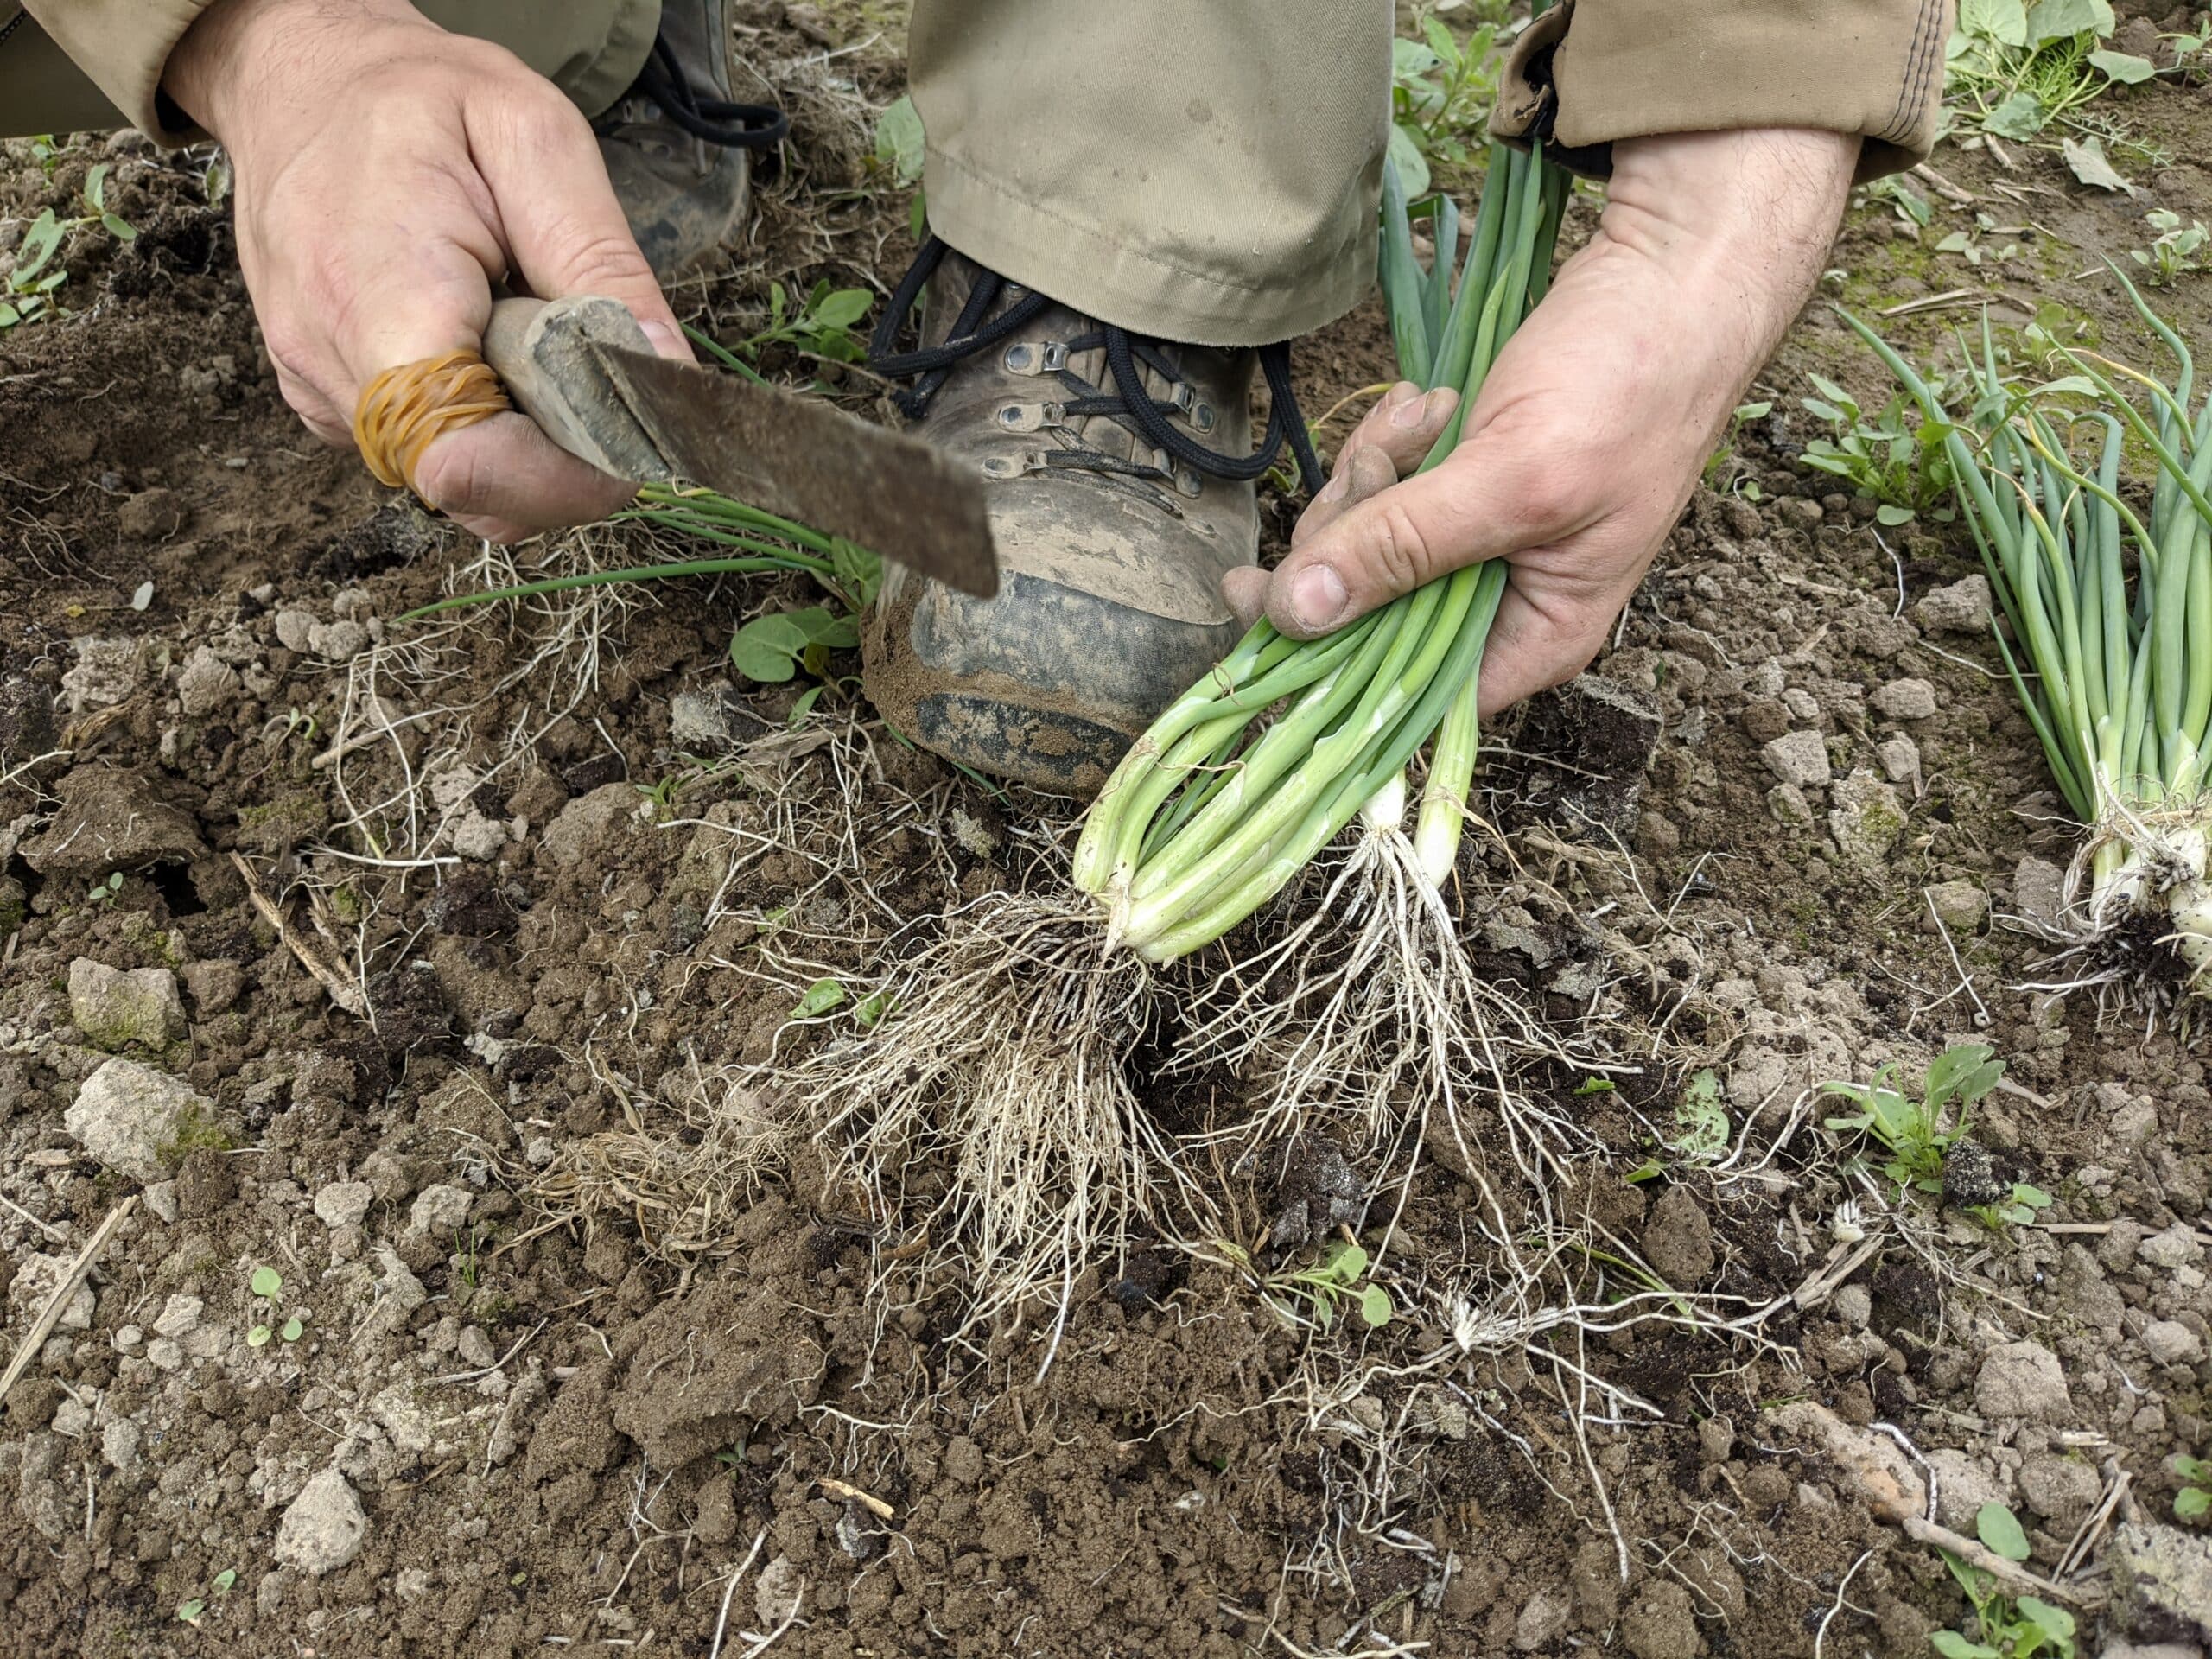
2112 613
1215 808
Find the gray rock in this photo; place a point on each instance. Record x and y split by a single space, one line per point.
477 837
1854 1306
2169 1342
179 1316
164 1354
2062 1489
1542 1616
2039 890
214 985
1962 608
1959 905
343 1204
587 821
296 630
1908 699
2162 1579
338 642
1867 819
160 1198
116 1007
1787 805
439 1210
1800 759
127 1115
36 1280
2022 1379
323 1529
399 1295
206 683
1963 1485
2176 1247
120 1444
1900 758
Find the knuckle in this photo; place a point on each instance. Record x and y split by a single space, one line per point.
1399 552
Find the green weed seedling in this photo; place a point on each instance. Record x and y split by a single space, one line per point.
2177 250
820 326
1441 89
103 893
1721 472
1913 1130
2007 1627
1334 1280
1901 465
33 277
268 1287
899 153
2017 68
192 1611
2194 1501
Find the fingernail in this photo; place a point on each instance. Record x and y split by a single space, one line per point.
1317 597
1335 488
1412 412
1405 391
666 341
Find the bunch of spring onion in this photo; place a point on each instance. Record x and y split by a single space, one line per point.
1212 812
2111 610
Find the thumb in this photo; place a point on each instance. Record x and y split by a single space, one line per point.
1488 498
562 226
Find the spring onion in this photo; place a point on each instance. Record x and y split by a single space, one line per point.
2111 612
1212 811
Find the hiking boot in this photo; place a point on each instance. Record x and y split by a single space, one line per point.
678 144
1120 471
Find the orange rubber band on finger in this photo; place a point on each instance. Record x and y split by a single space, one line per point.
404 411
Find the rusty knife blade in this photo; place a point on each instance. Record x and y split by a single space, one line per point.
810 461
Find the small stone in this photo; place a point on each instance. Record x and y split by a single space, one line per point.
343 1204
778 1592
115 1007
323 1529
120 1444
1900 758
1867 820
127 1337
412 1584
161 1198
2039 890
106 672
1904 699
34 1283
475 1347
163 1355
2062 1489
698 720
2022 1379
1805 707
2169 1342
1716 1440
1959 905
1963 1485
1542 1616
128 1115
1787 803
439 1210
179 1316
2176 1247
296 630
1962 608
338 642
1854 1306
214 985
587 822
477 837
1800 759
206 683
72 1418
1678 1239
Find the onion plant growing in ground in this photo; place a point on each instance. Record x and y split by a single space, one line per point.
2109 606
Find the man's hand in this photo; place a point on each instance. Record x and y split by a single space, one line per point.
1587 439
388 174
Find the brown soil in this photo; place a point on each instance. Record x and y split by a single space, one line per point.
602 1330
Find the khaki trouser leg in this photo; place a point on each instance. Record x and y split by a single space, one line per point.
1205 170
591 49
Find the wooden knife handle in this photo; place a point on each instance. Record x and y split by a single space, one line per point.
541 351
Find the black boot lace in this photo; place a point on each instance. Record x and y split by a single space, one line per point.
711 120
1128 405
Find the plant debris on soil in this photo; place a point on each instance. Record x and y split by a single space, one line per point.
419 1234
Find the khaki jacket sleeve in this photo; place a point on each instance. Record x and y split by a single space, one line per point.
1595 71
124 46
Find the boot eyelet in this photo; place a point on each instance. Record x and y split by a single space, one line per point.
1188 483
1202 417
1056 357
1020 359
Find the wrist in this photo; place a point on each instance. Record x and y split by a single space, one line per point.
225 59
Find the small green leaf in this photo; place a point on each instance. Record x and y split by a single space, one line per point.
821 628
1374 1305
804 706
2062 20
2019 116
121 230
2192 1504
292 1329
1650 1169
1345 1261
189 1613
768 649
898 143
36 248
2125 67
224 1580
1594 1086
1757 411
841 309
871 1008
1996 1527
2054 1622
821 996
1405 154
2031 1198
96 187
266 1281
1952 1645
257 1338
2003 21
1893 516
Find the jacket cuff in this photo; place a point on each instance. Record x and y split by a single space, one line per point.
1597 71
124 47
